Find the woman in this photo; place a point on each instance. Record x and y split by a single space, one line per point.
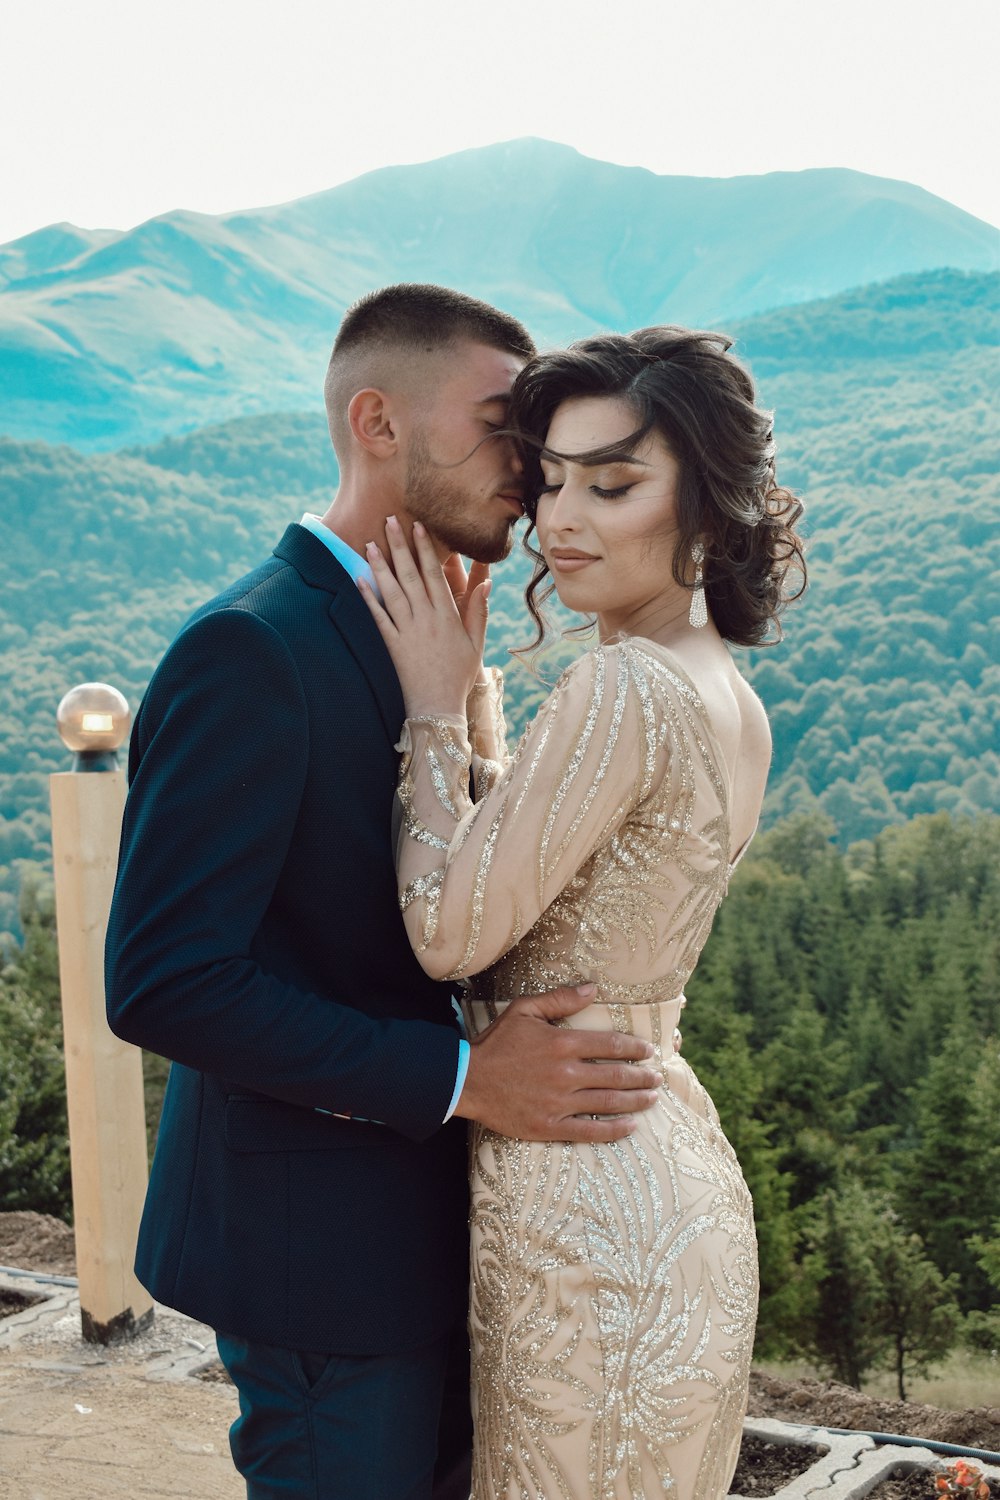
614 1287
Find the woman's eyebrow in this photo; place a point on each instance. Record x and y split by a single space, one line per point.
595 458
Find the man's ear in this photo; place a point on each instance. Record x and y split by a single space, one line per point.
373 423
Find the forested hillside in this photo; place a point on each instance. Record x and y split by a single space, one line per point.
845 1018
882 697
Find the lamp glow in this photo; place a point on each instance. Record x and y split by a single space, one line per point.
93 720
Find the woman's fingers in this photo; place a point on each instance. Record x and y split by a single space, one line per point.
386 628
455 576
476 615
478 573
404 564
395 600
436 584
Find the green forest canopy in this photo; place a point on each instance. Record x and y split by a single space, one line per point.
882 697
845 1017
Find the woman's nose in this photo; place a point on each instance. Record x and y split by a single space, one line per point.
562 514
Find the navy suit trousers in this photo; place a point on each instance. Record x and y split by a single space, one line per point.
333 1427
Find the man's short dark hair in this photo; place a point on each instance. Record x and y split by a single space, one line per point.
417 316
388 332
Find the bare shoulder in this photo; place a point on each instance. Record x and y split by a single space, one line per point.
755 730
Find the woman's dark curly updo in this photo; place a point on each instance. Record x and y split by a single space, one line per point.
687 387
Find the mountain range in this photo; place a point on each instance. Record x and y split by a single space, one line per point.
109 338
195 348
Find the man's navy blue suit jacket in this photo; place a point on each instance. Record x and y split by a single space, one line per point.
255 939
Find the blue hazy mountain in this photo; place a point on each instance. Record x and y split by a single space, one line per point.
108 338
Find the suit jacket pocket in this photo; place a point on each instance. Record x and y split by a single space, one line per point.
256 1125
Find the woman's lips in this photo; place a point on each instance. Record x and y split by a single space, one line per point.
569 562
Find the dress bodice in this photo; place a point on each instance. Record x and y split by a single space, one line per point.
599 851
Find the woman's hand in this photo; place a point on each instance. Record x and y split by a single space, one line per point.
436 651
463 586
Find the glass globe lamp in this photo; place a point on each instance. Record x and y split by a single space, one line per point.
93 721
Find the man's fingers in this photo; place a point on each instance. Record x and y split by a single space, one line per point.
620 1076
582 1130
613 1101
618 1046
558 1003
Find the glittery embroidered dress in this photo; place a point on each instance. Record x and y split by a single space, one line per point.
614 1287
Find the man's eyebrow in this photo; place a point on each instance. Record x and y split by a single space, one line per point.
502 398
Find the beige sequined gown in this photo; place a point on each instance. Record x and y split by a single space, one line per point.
614 1287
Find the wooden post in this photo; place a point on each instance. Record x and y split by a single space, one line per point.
107 1127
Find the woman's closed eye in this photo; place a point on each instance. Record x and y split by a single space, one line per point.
595 489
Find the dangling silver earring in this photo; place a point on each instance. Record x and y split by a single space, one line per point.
698 613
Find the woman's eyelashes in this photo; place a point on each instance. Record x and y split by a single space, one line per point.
595 489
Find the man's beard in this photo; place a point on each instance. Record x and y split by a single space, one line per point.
437 498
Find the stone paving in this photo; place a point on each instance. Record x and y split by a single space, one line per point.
175 1349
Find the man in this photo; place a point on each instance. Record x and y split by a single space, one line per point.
307 1196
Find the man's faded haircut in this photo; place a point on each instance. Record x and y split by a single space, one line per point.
384 328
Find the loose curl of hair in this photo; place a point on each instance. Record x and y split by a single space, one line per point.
684 385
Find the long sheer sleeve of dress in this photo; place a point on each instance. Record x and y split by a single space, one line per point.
614 1287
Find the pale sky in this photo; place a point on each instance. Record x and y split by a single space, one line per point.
116 110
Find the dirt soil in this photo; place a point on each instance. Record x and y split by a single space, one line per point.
825 1403
37 1242
91 1426
763 1468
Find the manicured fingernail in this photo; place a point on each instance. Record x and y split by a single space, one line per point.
391 521
418 530
586 989
372 550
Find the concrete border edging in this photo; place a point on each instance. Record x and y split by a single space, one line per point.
835 1457
853 1465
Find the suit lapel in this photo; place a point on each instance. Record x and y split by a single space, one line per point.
350 617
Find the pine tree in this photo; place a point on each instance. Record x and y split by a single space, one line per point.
982 1329
813 1108
34 1134
915 1306
950 1184
842 1336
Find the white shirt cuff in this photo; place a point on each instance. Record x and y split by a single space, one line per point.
464 1053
